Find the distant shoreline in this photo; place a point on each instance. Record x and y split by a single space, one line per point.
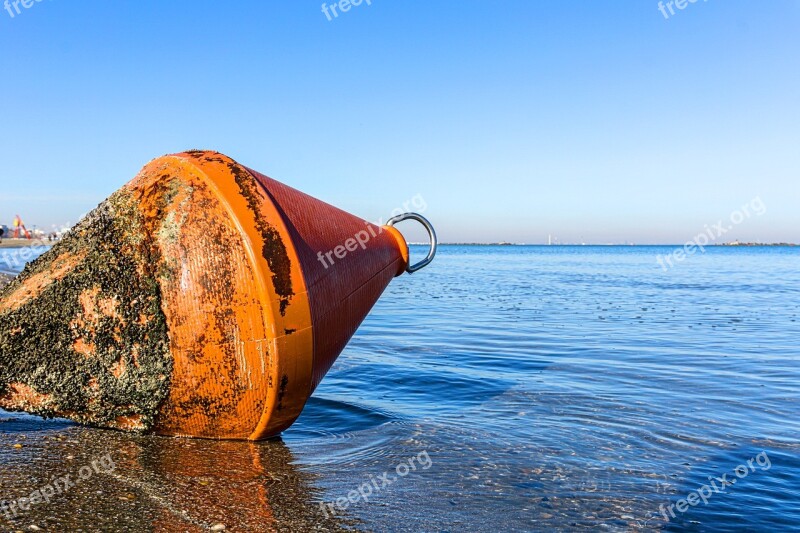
23 243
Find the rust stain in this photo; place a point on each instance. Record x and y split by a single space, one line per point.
19 396
282 391
96 308
86 349
274 249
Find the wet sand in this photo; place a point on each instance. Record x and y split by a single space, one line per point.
149 483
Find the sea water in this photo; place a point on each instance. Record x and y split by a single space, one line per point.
507 388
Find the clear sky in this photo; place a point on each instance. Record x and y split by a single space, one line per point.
600 121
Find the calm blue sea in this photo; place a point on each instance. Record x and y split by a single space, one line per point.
563 387
548 388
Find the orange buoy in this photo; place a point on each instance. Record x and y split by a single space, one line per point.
202 299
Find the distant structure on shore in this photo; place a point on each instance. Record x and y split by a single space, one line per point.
738 243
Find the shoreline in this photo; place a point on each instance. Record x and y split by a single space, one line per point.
23 243
5 279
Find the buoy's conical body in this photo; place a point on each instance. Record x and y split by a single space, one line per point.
202 299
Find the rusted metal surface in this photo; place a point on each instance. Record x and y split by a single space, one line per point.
190 303
226 308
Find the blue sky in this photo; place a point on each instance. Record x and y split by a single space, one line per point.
514 120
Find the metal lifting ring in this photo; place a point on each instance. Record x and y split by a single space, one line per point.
431 232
